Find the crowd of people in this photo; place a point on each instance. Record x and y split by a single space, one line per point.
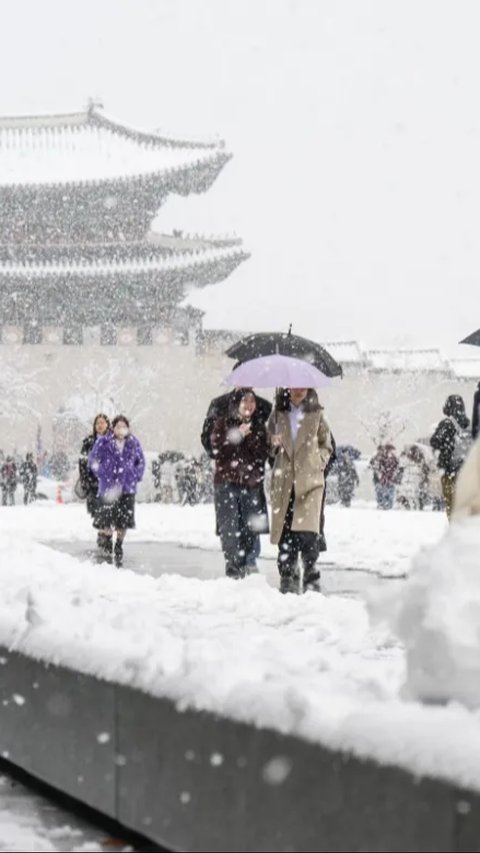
243 436
15 472
248 444
182 479
421 476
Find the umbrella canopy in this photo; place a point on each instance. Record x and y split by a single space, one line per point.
284 343
473 339
277 371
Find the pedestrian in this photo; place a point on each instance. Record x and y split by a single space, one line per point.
384 467
452 440
190 471
29 477
118 461
219 407
88 479
412 478
347 475
8 477
300 440
239 444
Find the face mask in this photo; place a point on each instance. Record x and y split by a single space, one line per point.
122 432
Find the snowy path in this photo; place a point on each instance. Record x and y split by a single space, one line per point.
158 558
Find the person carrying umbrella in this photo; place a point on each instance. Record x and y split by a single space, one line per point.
220 407
239 445
300 440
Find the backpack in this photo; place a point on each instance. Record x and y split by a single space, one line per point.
463 443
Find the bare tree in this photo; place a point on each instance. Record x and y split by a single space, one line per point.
19 385
107 387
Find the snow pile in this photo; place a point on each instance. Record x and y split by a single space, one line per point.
437 615
307 665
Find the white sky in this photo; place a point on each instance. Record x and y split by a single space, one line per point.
354 126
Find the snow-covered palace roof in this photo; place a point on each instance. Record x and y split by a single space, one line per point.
406 359
136 264
91 147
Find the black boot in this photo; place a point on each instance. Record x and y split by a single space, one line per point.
289 583
311 575
119 553
105 543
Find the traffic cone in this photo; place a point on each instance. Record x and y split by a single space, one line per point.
59 496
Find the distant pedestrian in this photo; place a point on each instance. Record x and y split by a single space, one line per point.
8 481
384 467
452 440
29 477
118 461
88 479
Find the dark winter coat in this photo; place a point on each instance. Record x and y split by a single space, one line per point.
444 439
88 479
9 475
219 408
28 475
118 472
240 460
448 432
385 468
347 474
476 413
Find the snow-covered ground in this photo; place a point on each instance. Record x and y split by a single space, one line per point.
309 665
360 537
30 822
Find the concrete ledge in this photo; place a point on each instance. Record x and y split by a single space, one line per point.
194 782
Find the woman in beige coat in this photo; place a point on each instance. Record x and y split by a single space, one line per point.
300 440
467 486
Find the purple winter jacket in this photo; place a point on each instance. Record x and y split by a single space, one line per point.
118 473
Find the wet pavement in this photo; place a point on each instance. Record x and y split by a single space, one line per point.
157 558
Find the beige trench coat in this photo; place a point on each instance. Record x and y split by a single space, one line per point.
300 466
467 486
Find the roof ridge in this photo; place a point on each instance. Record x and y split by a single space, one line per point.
98 116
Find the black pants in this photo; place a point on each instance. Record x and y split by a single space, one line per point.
8 495
292 543
240 518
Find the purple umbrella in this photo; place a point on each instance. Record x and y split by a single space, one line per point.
277 371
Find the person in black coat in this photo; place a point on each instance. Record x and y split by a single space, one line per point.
476 413
220 408
101 426
29 476
451 440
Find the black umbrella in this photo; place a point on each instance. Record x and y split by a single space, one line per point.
473 339
284 343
